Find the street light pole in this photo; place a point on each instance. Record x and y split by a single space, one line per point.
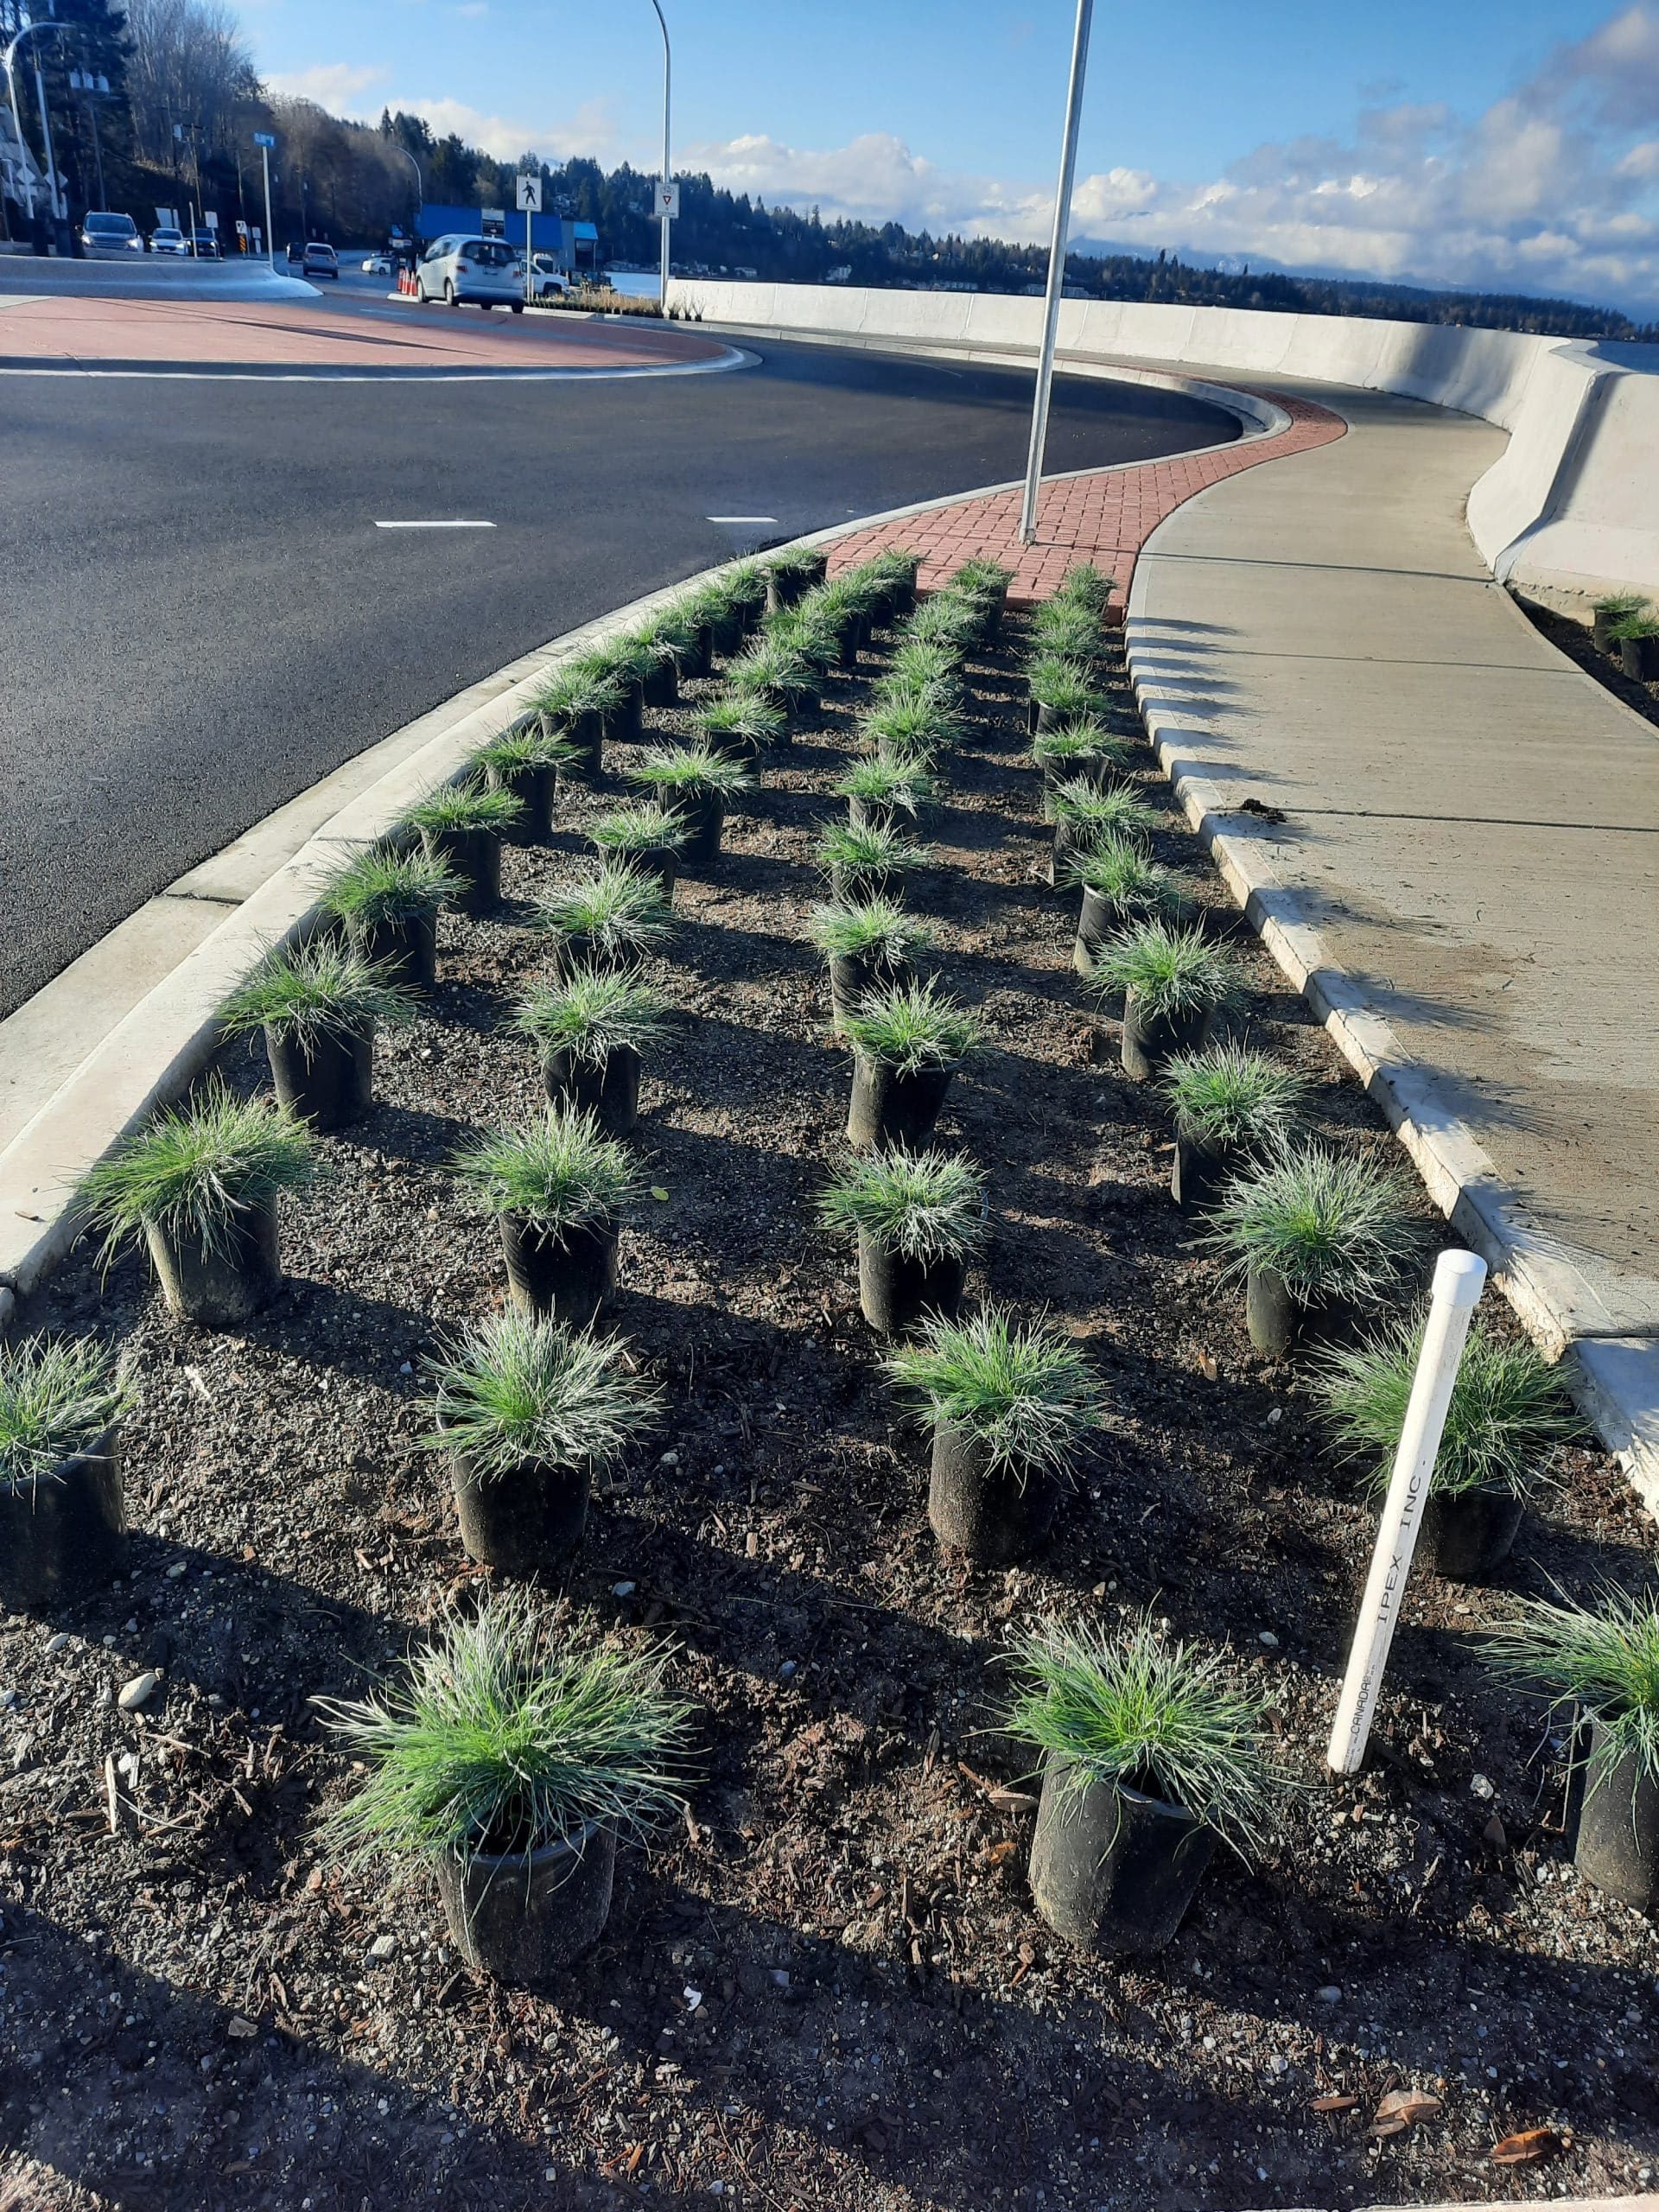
7 60
398 147
1055 273
668 76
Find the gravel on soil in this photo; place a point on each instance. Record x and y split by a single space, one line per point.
826 1987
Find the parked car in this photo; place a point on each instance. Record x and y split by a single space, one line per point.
549 281
320 260
377 264
485 272
207 246
168 239
102 233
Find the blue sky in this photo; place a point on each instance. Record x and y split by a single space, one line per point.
1454 141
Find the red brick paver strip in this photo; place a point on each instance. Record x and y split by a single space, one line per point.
227 334
1105 516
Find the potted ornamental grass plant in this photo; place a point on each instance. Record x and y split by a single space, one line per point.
388 904
672 650
63 1520
911 731
1061 693
628 662
880 791
740 726
778 677
1506 1419
1151 1750
575 708
720 608
1085 812
870 946
1122 886
609 920
529 1412
1608 612
1597 1669
1011 1406
1174 982
592 1029
907 1041
1637 635
984 584
897 571
919 1218
863 864
1065 631
201 1184
1083 752
317 1007
1318 1238
698 784
918 669
791 573
461 828
944 619
644 838
560 1190
1084 585
1232 1105
511 1761
526 762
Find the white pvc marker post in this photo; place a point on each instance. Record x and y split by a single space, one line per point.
1458 1279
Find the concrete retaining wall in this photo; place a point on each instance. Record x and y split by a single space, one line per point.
1567 514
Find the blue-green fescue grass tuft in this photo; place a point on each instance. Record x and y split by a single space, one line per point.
500 1736
1599 1661
944 619
562 1172
1639 622
527 746
982 575
1173 971
873 930
797 560
513 1392
1233 1097
740 718
465 806
770 666
194 1172
315 993
1332 1225
591 1014
1065 688
1024 1391
57 1396
924 1206
1064 630
868 852
582 687
912 730
1507 1417
1089 812
1125 1706
692 770
641 826
912 1027
621 913
917 665
1063 754
381 887
1085 585
886 782
1119 870
1617 604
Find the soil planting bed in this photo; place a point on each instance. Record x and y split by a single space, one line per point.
827 1988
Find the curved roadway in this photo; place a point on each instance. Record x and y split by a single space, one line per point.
201 619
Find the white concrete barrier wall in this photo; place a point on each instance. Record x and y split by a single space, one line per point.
1567 514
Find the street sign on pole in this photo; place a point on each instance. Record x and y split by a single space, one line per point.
265 142
263 138
530 192
666 203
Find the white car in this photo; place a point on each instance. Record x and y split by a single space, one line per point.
485 271
376 265
548 280
102 233
168 239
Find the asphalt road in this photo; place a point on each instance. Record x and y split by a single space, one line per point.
199 618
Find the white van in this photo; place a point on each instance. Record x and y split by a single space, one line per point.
486 271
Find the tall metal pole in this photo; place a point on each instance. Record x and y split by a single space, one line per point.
57 209
270 241
1056 272
17 126
667 72
9 59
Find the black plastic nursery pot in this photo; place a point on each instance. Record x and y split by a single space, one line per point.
662 686
474 857
609 1091
877 814
65 1532
993 1513
1618 1845
852 977
330 1084
890 1106
1150 1039
624 723
586 732
726 634
1278 1322
703 814
857 886
405 945
220 1286
1098 918
783 590
1114 1869
895 1291
522 1916
533 785
1467 1536
660 862
900 597
1200 1170
572 951
531 1518
851 643
1639 658
569 1274
1068 839
700 651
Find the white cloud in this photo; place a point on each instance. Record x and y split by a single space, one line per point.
333 84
